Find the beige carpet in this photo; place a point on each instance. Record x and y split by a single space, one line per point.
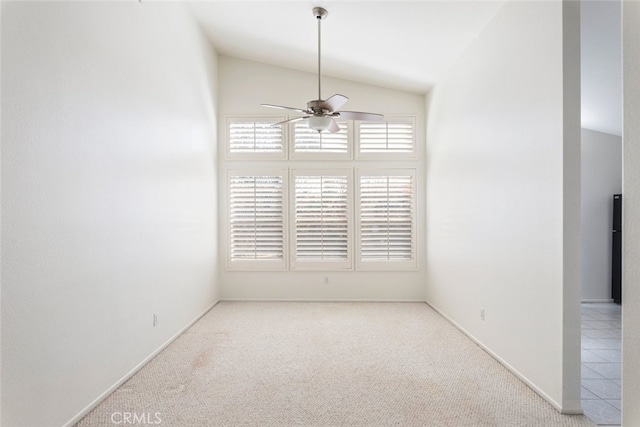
326 364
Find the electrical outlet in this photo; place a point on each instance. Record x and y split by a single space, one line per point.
482 314
326 280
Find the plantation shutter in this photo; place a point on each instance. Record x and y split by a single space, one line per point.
386 218
321 223
257 219
393 136
307 140
255 136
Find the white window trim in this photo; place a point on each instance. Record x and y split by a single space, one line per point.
322 265
358 155
258 265
378 265
282 155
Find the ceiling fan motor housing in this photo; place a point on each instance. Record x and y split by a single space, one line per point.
315 106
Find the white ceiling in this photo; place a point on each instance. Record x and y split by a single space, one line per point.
397 44
407 45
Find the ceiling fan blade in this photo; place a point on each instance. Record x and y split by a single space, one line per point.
357 115
334 102
295 119
286 108
334 127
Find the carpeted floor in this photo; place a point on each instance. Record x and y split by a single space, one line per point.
325 364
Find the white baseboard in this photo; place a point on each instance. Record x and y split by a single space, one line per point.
559 408
316 300
129 374
589 301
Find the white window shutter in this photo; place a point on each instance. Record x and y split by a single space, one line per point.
321 220
386 219
255 137
257 219
309 143
391 136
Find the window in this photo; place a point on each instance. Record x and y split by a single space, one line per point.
355 212
256 219
321 219
311 144
392 137
386 219
255 137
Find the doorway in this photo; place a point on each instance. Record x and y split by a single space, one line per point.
601 179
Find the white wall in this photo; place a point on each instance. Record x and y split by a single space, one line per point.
631 212
108 196
244 85
601 178
503 160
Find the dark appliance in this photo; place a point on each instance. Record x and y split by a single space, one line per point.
616 264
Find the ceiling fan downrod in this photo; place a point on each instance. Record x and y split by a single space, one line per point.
321 114
320 14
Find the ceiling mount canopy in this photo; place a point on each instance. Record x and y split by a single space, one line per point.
320 12
320 113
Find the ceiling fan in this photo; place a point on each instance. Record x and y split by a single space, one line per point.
320 113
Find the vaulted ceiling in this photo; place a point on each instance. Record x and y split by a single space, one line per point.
407 45
403 45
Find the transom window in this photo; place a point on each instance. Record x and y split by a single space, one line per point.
388 137
308 143
255 138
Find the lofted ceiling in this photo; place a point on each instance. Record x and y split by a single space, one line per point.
406 45
396 44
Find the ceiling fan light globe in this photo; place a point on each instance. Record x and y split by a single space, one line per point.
319 123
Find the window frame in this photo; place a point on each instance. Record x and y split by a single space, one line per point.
258 265
381 265
320 155
412 155
297 265
256 155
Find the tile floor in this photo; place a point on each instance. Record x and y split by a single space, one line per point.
601 367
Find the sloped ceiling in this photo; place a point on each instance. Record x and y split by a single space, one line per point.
396 44
407 45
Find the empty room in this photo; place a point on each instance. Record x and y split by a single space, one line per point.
281 213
